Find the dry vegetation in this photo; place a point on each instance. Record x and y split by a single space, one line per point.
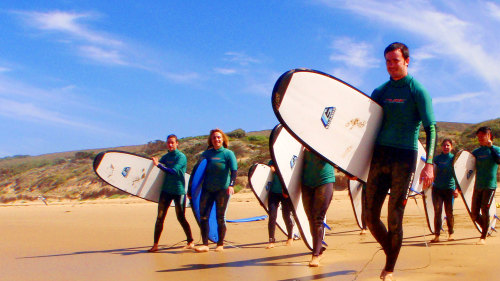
69 175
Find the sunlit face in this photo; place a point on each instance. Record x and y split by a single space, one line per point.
446 147
172 144
397 65
217 140
484 138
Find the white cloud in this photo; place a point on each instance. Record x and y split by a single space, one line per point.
96 53
72 29
457 98
354 54
33 113
68 23
225 71
187 77
240 58
494 10
4 69
464 37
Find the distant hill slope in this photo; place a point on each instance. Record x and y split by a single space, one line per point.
69 175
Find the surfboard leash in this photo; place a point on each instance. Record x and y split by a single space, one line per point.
366 264
425 240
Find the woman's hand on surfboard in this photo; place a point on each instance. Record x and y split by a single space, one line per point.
230 190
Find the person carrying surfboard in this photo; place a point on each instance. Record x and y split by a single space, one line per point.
487 160
406 105
444 189
277 196
173 189
318 177
218 186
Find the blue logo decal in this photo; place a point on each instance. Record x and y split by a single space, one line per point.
268 185
469 173
292 162
125 171
327 116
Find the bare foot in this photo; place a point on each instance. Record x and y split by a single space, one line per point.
481 242
202 249
314 261
436 239
219 249
154 248
450 237
289 242
363 232
387 276
189 246
270 246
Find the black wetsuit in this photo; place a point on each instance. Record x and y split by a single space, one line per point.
406 104
317 192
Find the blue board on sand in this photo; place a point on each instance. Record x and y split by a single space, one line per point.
196 185
258 218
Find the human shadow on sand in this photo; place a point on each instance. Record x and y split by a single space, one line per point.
123 252
266 261
176 248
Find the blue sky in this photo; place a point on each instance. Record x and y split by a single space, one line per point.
94 74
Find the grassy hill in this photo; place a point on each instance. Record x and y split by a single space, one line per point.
69 175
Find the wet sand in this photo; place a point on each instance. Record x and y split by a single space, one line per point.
108 240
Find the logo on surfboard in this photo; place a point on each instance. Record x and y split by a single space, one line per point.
469 173
125 171
293 161
327 116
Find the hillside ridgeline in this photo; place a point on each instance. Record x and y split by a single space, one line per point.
69 175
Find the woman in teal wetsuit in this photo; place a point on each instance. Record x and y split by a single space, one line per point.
220 175
318 177
444 189
174 165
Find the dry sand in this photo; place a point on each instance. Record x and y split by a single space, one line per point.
108 240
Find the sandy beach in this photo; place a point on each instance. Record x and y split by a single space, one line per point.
108 240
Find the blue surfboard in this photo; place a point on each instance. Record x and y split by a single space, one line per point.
196 185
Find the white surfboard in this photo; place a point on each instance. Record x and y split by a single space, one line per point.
330 117
464 167
355 193
417 187
134 174
260 179
288 154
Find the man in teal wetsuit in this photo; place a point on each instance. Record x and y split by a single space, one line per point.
174 165
318 177
444 189
406 104
487 160
218 182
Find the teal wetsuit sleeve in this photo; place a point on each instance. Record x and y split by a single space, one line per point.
424 106
233 166
180 166
431 139
495 153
